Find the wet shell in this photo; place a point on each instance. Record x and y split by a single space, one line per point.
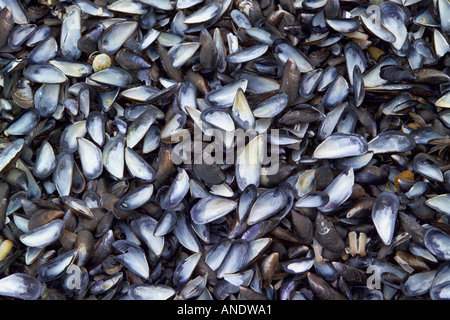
384 215
224 150
210 209
341 145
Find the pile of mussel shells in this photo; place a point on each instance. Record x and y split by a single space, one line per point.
98 202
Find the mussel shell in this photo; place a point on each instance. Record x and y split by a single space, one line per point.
114 156
10 154
384 215
185 235
284 50
418 284
45 161
313 199
44 73
150 292
438 243
135 198
341 145
339 190
144 228
115 36
46 50
235 259
165 224
132 257
439 203
266 205
204 14
63 174
112 76
298 266
44 235
68 139
95 126
272 106
439 287
138 167
56 267
391 141
224 97
428 169
210 209
20 286
26 122
91 158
